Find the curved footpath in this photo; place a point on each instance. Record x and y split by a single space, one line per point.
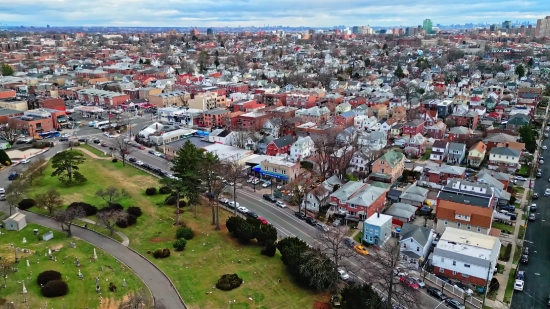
156 281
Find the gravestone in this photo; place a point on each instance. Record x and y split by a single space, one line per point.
47 236
24 240
124 282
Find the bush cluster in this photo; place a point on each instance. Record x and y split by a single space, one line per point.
505 256
134 211
185 233
114 160
165 190
47 276
151 191
161 253
494 285
180 244
229 282
51 284
90 210
26 203
248 229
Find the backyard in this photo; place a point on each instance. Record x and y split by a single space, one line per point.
206 257
81 291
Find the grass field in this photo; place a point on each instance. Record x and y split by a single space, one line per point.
209 255
504 227
81 292
96 151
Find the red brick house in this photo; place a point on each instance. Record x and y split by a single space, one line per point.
301 100
345 119
414 127
360 200
436 130
442 173
468 119
279 146
356 101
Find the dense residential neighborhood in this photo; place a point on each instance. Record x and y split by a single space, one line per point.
420 153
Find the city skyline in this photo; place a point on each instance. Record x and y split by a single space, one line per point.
214 13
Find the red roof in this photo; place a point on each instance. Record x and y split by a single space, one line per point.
476 99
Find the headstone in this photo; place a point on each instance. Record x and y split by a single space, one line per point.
97 281
24 288
24 240
28 263
73 245
47 236
49 251
124 282
95 255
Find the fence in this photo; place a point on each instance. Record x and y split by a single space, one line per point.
455 291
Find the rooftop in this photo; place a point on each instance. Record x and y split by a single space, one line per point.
378 219
466 242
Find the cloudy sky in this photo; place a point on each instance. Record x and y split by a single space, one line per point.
219 13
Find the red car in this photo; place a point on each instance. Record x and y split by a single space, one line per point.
262 220
409 282
103 144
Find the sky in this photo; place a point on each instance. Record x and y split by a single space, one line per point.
233 13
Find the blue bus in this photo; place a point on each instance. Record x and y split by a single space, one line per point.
50 134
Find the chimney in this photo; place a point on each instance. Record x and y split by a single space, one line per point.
378 214
507 145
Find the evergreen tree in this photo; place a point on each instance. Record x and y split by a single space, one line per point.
399 72
520 71
531 62
7 70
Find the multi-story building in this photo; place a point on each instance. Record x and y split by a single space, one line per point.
314 114
504 159
280 168
377 229
145 93
206 101
461 215
301 100
99 97
214 118
543 28
388 167
173 98
427 25
466 256
360 200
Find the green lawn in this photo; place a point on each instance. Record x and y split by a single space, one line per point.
523 170
500 268
510 286
503 227
81 292
359 237
208 256
521 232
519 189
96 151
426 155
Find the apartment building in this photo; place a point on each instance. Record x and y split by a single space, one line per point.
173 98
145 93
279 168
206 101
466 256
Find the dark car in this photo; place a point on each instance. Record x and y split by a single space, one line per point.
151 151
132 160
300 215
436 293
96 141
521 275
445 279
311 221
532 217
524 259
64 139
13 176
83 140
146 166
508 208
453 303
252 214
269 197
111 148
535 196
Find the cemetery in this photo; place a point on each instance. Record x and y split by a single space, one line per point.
41 268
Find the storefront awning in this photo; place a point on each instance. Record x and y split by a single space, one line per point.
272 174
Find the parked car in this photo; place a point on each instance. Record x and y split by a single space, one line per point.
151 151
532 217
83 140
524 259
464 288
311 221
436 293
266 184
300 215
343 274
409 283
445 279
253 215
525 249
535 196
518 285
539 175
280 204
521 275
96 141
360 249
350 242
133 160
269 197
455 304
262 220
533 207
511 208
520 178
240 208
234 204
336 223
322 227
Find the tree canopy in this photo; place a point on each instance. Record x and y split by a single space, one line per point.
527 135
7 70
65 166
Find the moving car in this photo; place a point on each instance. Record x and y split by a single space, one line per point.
96 141
103 144
269 197
524 259
343 274
533 207
419 281
532 217
350 242
132 159
407 161
547 191
13 176
544 147
262 220
455 304
535 196
280 204
300 215
311 221
436 293
322 227
518 285
64 139
409 283
360 249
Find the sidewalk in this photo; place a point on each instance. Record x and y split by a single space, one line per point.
509 265
125 240
91 154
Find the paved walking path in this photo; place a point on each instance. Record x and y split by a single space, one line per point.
91 154
125 240
160 286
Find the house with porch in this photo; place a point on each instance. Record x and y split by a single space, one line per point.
388 167
415 243
504 159
476 154
457 153
440 149
377 229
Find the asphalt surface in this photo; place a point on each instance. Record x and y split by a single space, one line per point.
537 286
155 280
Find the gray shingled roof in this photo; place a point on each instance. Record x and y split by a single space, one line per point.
419 233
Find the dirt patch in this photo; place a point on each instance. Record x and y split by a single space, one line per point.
160 239
110 303
75 197
57 247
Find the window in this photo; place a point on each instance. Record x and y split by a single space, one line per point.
468 227
411 240
478 229
454 272
418 249
454 263
465 275
441 270
467 265
458 224
442 259
446 222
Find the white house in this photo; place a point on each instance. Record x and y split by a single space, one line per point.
415 243
221 136
358 121
272 126
302 148
361 159
466 256
315 199
440 149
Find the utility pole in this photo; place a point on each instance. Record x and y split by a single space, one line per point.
487 284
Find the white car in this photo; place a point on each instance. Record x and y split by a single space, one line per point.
2 197
419 282
520 178
407 161
25 161
2 191
518 285
139 163
223 200
266 184
343 274
544 147
255 181
242 209
280 204
233 204
467 291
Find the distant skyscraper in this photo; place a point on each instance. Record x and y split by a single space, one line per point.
543 28
507 25
494 27
427 25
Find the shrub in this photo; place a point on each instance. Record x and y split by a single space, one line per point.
185 233
229 282
132 220
183 203
494 285
26 203
180 244
151 191
47 276
115 160
4 158
165 190
134 211
55 288
161 253
269 250
76 144
170 200
116 206
90 210
112 287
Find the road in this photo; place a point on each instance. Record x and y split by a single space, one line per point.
537 285
155 280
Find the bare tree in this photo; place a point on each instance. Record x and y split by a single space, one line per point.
51 200
211 174
112 194
67 216
10 132
233 173
177 188
241 138
407 91
140 300
382 266
15 192
109 218
32 172
122 148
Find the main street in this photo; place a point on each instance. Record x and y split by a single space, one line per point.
537 286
